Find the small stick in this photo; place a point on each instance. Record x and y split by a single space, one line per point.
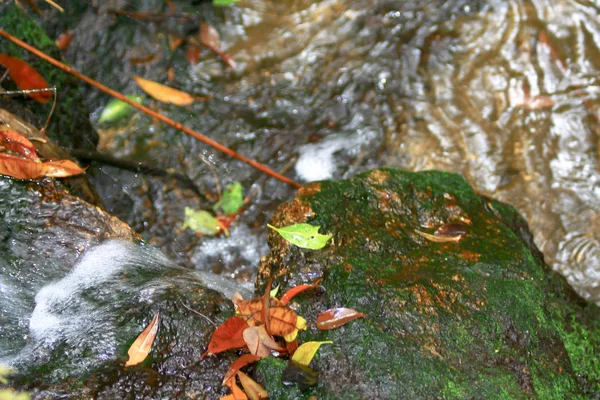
153 16
152 113
43 130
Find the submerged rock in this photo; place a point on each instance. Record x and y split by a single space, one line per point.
483 317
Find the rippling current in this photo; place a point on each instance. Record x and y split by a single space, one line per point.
503 92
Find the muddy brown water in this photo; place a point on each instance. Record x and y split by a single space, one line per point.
504 92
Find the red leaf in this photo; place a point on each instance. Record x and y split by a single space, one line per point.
209 36
295 290
336 317
17 143
26 77
229 335
239 364
64 40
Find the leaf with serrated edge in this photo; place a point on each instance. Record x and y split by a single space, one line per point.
164 93
305 353
142 345
303 235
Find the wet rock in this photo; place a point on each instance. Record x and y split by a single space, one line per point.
480 318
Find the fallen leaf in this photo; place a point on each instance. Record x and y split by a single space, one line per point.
259 342
307 351
274 292
17 143
254 391
452 229
238 364
440 239
201 222
164 93
299 374
143 59
21 168
116 109
336 317
64 40
303 235
140 348
209 36
26 77
237 394
232 199
295 290
229 335
222 3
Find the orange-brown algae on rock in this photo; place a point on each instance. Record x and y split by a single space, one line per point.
378 176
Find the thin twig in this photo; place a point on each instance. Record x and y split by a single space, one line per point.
43 130
152 113
53 4
153 16
199 313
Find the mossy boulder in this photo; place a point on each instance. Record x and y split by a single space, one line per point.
480 318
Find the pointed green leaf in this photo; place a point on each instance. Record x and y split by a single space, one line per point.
232 199
305 353
303 235
200 221
221 3
116 109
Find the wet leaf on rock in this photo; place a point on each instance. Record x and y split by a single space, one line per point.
299 374
303 235
201 222
229 335
259 342
163 93
287 297
232 199
116 109
306 352
22 168
238 364
336 317
254 391
440 239
18 143
141 347
26 77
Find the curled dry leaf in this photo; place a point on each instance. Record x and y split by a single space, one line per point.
229 335
17 143
306 352
21 168
440 239
254 391
336 317
164 93
26 77
140 348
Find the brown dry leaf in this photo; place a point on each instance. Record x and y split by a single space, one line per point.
209 36
253 390
140 348
336 317
21 168
440 239
164 93
259 342
17 143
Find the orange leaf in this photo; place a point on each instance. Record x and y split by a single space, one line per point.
26 77
21 168
283 321
164 93
229 335
259 342
238 364
140 348
209 36
64 40
336 317
295 290
17 143
237 392
253 390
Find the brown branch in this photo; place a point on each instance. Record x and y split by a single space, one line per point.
153 16
152 113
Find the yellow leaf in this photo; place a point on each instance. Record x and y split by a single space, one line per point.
307 351
140 348
254 391
300 325
164 93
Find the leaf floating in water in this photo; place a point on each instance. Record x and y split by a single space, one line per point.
141 347
232 199
116 109
22 168
307 351
440 239
201 222
336 317
303 235
26 77
164 94
254 391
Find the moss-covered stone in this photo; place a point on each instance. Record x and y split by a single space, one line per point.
481 318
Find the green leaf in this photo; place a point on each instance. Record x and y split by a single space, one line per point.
116 109
201 222
303 235
305 353
232 199
10 394
221 3
4 372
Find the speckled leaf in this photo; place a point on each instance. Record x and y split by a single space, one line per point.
303 235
